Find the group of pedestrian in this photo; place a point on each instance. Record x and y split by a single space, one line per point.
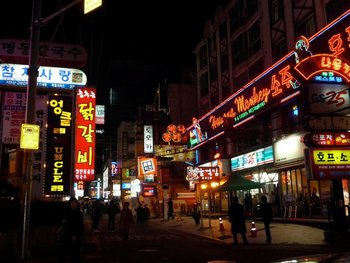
142 214
237 217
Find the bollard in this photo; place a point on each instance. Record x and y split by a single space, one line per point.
222 228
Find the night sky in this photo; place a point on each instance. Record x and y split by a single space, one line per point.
158 33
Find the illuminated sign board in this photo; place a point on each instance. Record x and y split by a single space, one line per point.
330 163
90 5
174 133
149 190
327 139
126 185
50 53
30 136
281 81
48 77
328 98
115 169
146 166
58 152
148 139
252 159
85 135
202 173
100 114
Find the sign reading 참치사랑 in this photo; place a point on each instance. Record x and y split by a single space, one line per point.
48 77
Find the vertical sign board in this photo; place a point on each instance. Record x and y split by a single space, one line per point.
13 108
148 139
85 135
58 151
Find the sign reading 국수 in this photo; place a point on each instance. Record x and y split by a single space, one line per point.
30 136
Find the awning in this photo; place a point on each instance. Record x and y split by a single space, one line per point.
237 182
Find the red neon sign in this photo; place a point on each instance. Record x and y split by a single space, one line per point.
85 135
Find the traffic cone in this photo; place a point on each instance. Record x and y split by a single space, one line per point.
253 230
221 225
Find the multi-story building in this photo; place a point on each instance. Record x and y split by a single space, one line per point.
240 77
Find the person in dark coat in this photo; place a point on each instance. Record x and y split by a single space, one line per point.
170 209
125 220
237 219
72 237
96 215
112 211
267 216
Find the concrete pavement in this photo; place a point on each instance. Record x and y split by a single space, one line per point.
282 233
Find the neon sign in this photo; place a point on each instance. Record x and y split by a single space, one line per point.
58 152
280 81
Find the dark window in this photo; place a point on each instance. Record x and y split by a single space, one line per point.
252 7
204 85
213 73
279 50
254 39
256 69
306 28
203 60
223 30
224 61
237 15
276 11
239 48
240 81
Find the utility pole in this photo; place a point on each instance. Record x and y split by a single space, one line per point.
30 119
36 23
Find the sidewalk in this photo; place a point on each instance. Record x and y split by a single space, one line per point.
282 233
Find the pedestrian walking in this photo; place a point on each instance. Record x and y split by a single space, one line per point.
196 213
237 219
125 220
267 216
70 243
140 214
112 210
170 209
147 213
96 215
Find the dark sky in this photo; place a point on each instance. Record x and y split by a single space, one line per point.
162 32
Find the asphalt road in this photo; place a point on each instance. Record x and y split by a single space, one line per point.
162 243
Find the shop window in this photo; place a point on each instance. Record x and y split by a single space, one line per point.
289 183
284 183
294 182
299 182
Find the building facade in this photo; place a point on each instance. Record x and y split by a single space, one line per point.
252 103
